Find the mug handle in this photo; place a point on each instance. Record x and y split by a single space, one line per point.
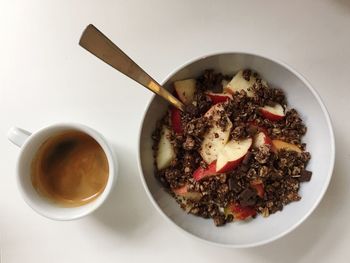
18 136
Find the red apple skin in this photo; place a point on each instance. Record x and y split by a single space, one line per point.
176 120
267 139
259 187
231 165
241 213
183 191
201 173
219 97
270 116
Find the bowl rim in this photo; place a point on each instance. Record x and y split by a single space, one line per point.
324 187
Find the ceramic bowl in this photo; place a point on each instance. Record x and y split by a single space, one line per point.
319 139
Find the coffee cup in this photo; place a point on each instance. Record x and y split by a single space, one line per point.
64 171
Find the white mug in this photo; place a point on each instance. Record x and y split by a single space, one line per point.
29 144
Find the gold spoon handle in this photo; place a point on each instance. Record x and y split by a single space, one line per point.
99 45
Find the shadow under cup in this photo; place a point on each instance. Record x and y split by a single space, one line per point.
44 205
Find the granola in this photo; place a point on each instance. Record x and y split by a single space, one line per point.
230 117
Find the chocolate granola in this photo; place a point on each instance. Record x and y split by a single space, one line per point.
265 179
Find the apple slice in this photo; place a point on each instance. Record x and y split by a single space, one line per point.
274 113
239 212
215 112
166 152
232 155
176 123
185 90
185 193
219 97
214 140
201 172
279 145
216 137
260 139
258 185
239 83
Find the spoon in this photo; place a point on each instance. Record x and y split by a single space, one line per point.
99 45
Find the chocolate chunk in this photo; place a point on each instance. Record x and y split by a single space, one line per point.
233 185
247 197
247 158
217 88
305 176
219 220
244 168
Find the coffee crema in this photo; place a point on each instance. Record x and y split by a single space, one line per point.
70 168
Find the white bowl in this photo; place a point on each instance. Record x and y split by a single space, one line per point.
319 139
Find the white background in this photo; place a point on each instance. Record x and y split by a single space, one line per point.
45 77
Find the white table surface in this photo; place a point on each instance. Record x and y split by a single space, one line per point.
45 77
